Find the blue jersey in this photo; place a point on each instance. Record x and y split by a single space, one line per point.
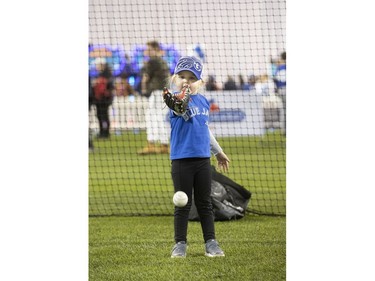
190 135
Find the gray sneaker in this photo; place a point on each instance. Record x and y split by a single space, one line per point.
179 250
213 249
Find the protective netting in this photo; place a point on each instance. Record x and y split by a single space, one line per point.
242 47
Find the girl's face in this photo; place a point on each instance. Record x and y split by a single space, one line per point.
186 77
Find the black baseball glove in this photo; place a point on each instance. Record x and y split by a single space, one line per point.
178 103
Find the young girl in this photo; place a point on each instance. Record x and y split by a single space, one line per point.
191 145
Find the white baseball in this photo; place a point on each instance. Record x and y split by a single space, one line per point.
180 199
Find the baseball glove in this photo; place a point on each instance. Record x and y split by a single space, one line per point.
178 103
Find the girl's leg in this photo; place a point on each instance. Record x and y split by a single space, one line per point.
182 176
202 198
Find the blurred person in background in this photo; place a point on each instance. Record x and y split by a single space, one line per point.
211 84
91 103
264 86
244 85
252 80
103 97
230 84
280 83
154 76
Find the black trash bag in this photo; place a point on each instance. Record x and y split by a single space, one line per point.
229 199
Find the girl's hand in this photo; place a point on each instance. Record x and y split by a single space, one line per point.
223 161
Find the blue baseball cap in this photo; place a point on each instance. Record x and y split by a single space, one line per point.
191 64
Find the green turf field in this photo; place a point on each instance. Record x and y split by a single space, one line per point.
123 183
138 248
131 247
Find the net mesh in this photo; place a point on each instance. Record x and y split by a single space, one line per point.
242 47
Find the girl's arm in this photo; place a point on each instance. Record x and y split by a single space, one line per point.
221 157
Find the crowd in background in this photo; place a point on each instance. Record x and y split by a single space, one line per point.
127 77
265 83
105 86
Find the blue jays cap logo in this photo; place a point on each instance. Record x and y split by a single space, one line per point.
191 64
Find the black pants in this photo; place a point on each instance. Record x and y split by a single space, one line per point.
103 117
91 143
188 174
